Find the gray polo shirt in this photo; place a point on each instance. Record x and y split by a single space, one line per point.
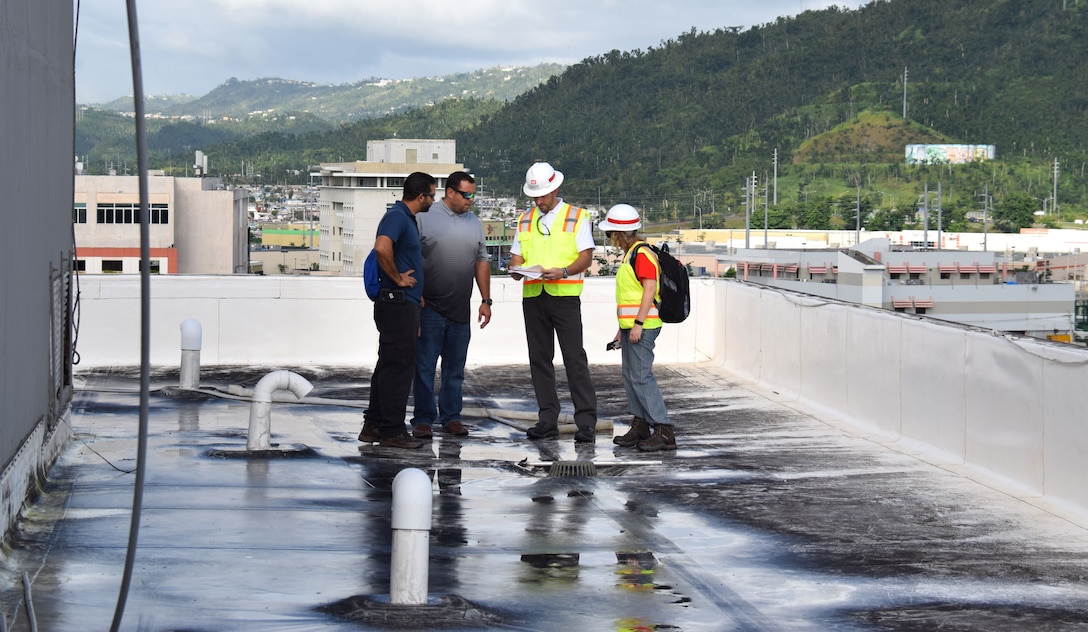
452 244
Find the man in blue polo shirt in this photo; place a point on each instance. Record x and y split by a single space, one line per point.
396 315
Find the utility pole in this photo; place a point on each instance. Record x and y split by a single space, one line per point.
857 217
985 214
940 213
749 206
925 219
1054 203
766 218
905 75
776 176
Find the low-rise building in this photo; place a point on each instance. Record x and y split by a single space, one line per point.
196 226
969 287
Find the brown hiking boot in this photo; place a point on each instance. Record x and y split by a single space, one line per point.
662 439
422 431
456 428
369 433
401 441
639 431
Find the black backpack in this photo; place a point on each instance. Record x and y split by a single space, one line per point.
672 285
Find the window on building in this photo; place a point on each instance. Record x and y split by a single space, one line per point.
154 266
394 183
79 265
112 265
901 309
368 181
130 213
895 275
915 276
984 275
946 275
919 310
79 213
965 275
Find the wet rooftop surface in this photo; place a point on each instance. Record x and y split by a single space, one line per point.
765 518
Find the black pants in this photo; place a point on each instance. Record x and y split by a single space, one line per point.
546 317
398 327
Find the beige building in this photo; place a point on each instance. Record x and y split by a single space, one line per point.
196 226
355 195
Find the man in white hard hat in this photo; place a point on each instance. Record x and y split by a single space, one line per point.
557 238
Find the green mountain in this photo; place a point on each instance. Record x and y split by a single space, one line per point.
686 123
707 109
348 102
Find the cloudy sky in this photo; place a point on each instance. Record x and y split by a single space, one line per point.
192 46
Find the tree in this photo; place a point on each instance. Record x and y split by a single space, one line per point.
1015 211
889 219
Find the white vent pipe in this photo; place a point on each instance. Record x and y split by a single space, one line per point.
411 534
260 412
190 354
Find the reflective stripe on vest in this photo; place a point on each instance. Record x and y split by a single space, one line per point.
557 249
629 292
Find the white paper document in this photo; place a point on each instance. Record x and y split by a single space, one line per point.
532 272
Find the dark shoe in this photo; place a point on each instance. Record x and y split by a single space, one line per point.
639 431
585 435
401 441
456 428
422 431
541 431
662 439
369 433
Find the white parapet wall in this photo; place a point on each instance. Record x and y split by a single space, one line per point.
1008 407
289 321
1011 409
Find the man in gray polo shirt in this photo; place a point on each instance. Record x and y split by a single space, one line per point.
454 253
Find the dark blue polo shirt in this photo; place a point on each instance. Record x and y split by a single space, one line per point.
399 225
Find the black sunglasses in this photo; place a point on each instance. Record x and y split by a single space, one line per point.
544 230
467 196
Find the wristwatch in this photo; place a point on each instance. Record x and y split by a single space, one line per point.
488 301
565 273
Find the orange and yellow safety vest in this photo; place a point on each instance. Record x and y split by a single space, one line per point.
556 247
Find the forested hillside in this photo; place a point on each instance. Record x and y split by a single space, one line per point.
681 126
706 110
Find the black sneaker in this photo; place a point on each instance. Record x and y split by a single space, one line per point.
585 435
541 431
401 441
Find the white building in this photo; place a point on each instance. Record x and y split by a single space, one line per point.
355 195
196 226
968 287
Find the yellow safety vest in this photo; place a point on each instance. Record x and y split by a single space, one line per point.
554 250
629 292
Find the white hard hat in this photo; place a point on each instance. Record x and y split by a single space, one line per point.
541 179
621 217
